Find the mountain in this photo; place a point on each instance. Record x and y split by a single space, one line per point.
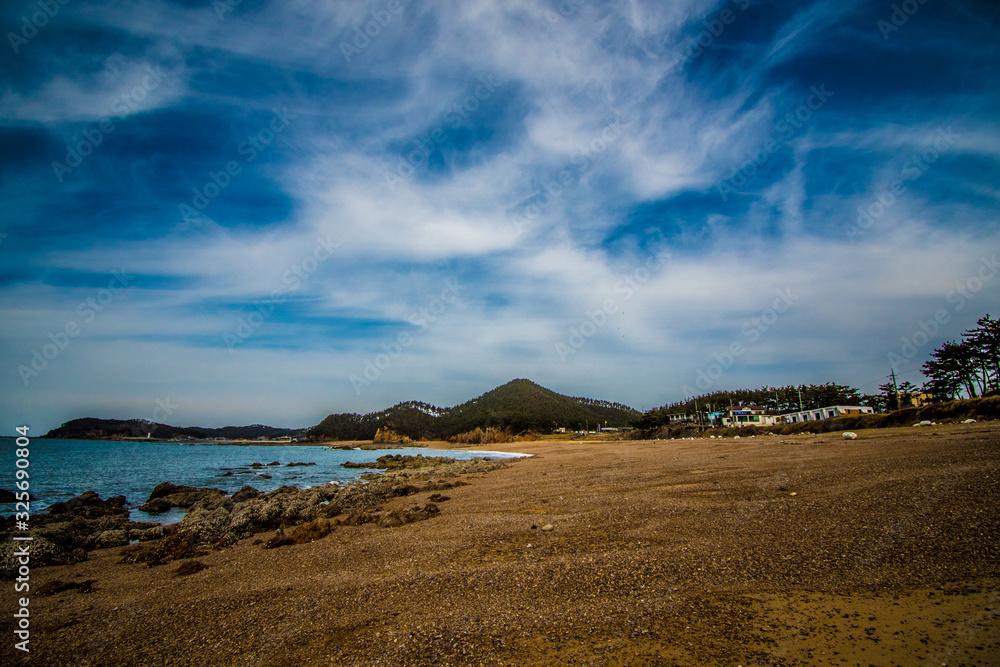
520 405
91 428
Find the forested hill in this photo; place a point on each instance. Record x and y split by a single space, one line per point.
520 405
91 428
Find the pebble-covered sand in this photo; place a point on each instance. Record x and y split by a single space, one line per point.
791 550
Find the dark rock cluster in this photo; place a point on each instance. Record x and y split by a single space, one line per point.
72 528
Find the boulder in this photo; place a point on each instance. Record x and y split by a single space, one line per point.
312 531
246 493
43 552
89 504
111 538
279 539
189 567
167 496
174 546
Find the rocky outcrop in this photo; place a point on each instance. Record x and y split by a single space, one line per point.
420 462
411 515
401 462
71 528
167 496
296 515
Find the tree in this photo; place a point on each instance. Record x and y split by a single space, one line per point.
876 402
890 396
907 390
953 367
984 344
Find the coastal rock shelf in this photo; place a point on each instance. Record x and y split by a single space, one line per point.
215 520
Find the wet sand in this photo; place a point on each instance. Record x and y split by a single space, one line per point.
790 550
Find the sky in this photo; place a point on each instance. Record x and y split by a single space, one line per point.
235 212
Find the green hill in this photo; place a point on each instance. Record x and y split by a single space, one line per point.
520 405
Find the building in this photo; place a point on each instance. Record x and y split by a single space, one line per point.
826 413
747 415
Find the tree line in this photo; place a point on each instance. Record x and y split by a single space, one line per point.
968 367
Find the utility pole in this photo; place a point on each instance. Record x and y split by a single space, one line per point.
895 389
800 400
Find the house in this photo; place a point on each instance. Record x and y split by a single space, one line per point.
826 413
747 415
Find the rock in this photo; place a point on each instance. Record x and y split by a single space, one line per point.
174 546
411 515
547 527
166 496
850 436
312 531
156 506
256 466
298 464
279 540
111 538
165 489
9 496
400 462
89 504
43 552
246 493
442 485
145 534
273 463
438 498
189 567
357 519
389 519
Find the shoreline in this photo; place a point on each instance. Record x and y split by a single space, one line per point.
771 550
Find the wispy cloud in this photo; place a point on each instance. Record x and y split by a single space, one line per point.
537 153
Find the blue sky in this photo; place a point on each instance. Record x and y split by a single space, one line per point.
232 212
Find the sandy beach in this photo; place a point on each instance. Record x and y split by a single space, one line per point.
775 550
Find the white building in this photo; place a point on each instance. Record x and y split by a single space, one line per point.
748 415
826 413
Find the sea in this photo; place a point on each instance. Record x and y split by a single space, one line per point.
63 469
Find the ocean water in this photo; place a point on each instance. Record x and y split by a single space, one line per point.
63 469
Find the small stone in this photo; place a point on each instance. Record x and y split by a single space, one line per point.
548 527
